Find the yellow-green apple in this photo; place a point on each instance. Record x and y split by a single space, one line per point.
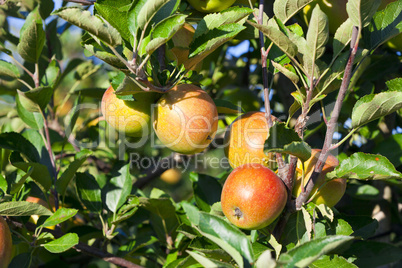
186 119
208 6
6 244
171 176
329 193
253 196
245 139
181 50
130 117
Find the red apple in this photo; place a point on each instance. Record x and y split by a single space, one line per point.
245 139
186 119
253 196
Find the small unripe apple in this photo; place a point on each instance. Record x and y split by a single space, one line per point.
333 190
208 6
130 117
186 119
181 50
171 176
245 139
253 196
6 244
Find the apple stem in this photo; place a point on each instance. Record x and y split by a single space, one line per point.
354 44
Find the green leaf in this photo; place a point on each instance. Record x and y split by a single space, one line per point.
364 192
205 44
132 17
89 191
295 231
40 173
34 120
215 20
207 191
45 8
164 31
61 215
288 73
128 210
62 244
95 26
306 253
219 228
35 99
8 69
278 38
163 218
387 149
3 184
148 11
316 38
207 262
115 12
332 261
361 11
16 142
265 260
374 106
286 9
65 178
23 208
32 37
365 167
226 107
118 189
342 37
285 140
17 184
385 25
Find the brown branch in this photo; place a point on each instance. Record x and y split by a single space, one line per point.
354 44
264 57
80 247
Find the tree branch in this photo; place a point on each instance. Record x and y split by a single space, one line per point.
354 44
80 247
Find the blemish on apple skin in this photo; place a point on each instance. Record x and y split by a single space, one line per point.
238 214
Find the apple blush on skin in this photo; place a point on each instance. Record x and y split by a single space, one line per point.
253 196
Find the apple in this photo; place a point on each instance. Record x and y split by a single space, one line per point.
181 50
6 244
253 196
245 139
130 117
209 6
186 119
171 176
329 193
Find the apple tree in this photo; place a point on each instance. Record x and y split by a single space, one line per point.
168 133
